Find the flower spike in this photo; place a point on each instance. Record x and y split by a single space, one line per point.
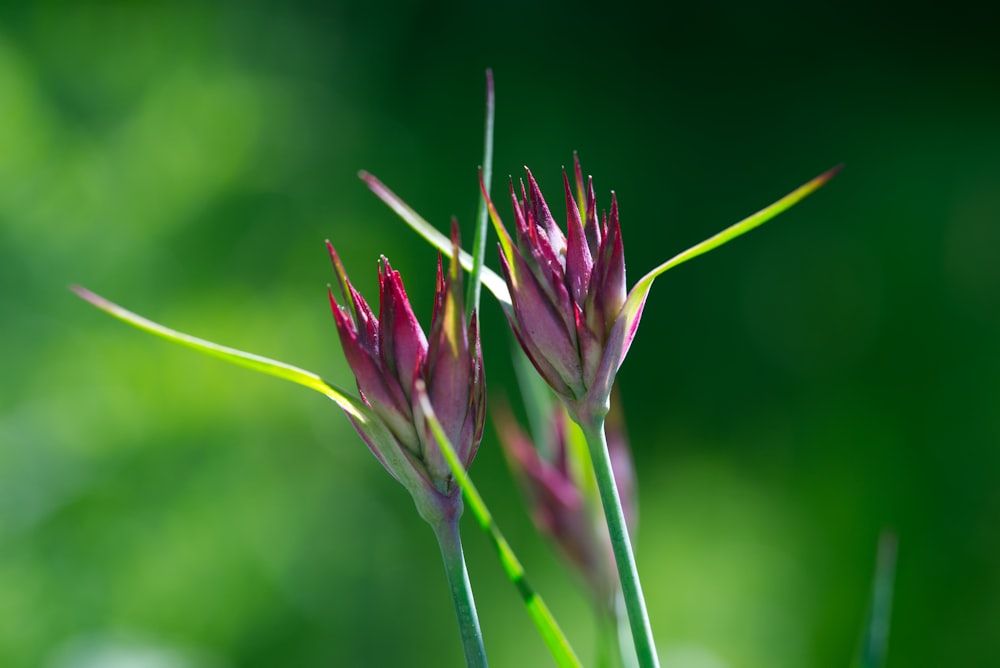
569 307
390 354
566 290
561 494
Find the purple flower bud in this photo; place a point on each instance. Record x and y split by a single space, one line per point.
389 354
564 294
567 291
562 494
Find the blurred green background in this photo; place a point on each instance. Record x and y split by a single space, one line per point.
788 396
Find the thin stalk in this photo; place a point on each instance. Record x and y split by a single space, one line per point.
461 591
540 614
635 603
479 241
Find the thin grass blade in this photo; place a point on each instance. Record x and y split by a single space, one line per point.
479 241
349 404
492 280
637 297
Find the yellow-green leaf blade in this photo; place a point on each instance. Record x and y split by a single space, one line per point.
265 365
492 280
637 297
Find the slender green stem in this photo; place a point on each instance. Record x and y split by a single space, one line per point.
540 614
479 241
461 591
635 603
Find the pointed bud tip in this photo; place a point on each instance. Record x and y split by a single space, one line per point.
332 251
338 266
384 269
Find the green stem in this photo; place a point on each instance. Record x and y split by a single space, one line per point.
546 624
479 241
635 603
461 591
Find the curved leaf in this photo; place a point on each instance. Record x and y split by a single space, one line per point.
353 407
632 309
492 280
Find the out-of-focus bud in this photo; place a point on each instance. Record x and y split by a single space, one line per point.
562 494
